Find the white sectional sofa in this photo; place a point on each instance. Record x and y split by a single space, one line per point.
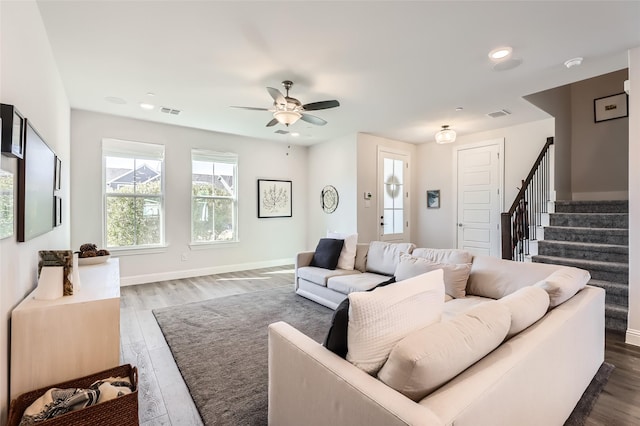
534 377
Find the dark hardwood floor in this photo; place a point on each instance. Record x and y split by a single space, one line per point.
165 400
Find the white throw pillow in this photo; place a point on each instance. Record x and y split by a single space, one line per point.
428 358
380 318
347 257
383 258
455 275
563 284
527 306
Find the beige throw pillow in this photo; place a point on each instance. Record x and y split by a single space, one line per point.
443 255
347 257
455 275
428 358
380 318
563 284
527 306
383 258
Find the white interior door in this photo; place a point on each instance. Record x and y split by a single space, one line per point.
393 202
479 200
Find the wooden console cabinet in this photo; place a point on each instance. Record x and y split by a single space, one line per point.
53 341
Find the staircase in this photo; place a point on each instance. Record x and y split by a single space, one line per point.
593 235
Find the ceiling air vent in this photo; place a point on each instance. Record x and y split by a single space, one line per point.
501 113
170 110
281 132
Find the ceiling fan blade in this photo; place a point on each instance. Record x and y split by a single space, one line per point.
313 119
251 108
314 106
273 122
277 96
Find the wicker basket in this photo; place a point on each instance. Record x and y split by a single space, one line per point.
121 411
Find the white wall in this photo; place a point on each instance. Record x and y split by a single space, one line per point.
29 79
332 163
368 217
633 326
434 164
263 242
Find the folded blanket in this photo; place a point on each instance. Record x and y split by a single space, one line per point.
56 401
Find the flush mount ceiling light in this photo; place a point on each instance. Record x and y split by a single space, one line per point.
574 62
146 106
500 53
446 135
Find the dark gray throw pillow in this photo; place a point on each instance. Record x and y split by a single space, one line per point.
336 340
327 253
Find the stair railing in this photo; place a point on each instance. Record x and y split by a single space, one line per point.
520 223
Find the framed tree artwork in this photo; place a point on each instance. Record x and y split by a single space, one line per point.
274 198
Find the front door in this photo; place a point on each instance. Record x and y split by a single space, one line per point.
393 187
479 189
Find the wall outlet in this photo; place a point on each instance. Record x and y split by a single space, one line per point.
185 257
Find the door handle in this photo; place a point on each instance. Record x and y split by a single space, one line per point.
460 225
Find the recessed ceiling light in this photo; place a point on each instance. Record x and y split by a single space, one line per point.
500 53
146 106
150 94
574 62
459 109
295 134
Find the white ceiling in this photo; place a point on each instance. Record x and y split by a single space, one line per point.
399 69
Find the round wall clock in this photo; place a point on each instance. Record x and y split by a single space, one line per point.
329 199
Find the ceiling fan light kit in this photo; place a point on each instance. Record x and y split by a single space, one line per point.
446 135
287 110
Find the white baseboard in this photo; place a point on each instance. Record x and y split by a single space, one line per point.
633 337
189 273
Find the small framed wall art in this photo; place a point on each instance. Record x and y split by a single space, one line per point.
433 198
6 204
274 198
611 107
58 177
13 131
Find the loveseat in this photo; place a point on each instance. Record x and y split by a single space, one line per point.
534 376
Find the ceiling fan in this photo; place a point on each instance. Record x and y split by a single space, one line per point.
287 110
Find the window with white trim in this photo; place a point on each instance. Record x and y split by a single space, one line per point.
214 196
133 194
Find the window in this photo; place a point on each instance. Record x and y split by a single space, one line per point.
133 194
214 199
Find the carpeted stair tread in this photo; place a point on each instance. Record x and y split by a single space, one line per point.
618 236
616 311
584 264
616 293
590 220
616 248
621 206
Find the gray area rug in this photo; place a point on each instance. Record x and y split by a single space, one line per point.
220 347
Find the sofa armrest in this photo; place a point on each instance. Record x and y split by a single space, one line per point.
312 386
302 259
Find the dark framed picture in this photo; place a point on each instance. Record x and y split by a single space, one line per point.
57 174
274 198
433 199
611 107
57 220
13 131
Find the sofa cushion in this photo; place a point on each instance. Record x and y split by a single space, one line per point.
383 258
378 319
320 276
527 306
562 284
362 251
496 278
428 358
455 275
355 282
443 255
456 307
327 253
347 257
336 340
